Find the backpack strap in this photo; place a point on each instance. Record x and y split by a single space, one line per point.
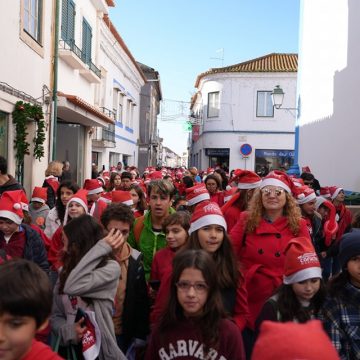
138 228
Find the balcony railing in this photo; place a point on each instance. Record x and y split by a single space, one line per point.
108 112
71 46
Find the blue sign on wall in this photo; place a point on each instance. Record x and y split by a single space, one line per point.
275 153
245 149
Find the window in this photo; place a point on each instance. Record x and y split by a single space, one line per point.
264 105
68 22
213 104
86 42
33 18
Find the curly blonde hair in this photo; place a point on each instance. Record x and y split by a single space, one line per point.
54 168
257 212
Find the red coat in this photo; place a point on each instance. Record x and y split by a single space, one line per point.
56 247
218 198
162 263
261 255
231 215
344 222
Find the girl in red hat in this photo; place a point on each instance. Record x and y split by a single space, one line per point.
208 232
194 324
302 293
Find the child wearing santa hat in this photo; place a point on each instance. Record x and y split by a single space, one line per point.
340 312
76 206
19 240
302 293
38 209
208 231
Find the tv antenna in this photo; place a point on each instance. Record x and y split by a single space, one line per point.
220 52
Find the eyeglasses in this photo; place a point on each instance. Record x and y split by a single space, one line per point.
268 191
185 286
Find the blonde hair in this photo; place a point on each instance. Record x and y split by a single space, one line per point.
257 211
54 168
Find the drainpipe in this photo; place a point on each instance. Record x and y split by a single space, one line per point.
55 84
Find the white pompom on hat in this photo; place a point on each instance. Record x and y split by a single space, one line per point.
11 206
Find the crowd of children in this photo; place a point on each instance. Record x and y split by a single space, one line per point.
176 265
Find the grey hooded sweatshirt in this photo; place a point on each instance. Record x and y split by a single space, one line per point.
97 284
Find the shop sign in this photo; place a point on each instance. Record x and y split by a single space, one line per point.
217 152
275 153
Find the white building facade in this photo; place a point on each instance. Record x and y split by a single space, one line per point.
25 75
328 93
235 124
119 95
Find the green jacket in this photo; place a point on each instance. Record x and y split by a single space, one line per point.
149 242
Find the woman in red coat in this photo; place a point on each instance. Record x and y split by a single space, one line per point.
213 186
261 235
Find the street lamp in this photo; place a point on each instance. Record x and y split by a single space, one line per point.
277 98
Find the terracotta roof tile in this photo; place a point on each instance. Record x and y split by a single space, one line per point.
269 63
86 106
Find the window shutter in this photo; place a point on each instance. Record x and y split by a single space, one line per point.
71 23
64 19
68 22
86 42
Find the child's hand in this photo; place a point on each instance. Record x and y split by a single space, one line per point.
80 329
115 239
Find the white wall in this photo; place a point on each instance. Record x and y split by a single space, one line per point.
237 122
328 87
25 66
120 68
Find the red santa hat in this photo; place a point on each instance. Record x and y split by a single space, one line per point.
209 170
334 191
298 182
120 196
92 186
11 206
228 194
246 179
106 197
325 192
81 198
306 169
156 175
277 178
304 194
301 261
303 341
206 213
24 201
197 193
39 195
319 201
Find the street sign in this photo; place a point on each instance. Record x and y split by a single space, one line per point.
245 150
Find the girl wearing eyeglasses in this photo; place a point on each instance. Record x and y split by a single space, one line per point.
260 236
208 232
193 325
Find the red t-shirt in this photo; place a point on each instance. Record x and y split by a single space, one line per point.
41 351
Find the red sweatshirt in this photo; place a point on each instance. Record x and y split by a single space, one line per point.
183 341
41 351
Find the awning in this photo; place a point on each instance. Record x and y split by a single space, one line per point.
73 109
